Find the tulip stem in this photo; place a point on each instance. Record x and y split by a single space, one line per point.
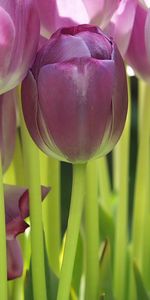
104 182
52 213
92 232
32 168
76 207
121 175
3 259
141 199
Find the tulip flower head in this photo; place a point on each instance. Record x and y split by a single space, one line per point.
129 28
75 95
19 35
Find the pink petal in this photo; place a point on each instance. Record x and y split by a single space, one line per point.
7 37
26 26
14 260
136 54
123 21
17 209
30 109
100 11
147 34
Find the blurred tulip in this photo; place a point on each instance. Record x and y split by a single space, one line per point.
19 36
60 13
75 96
7 127
16 210
129 30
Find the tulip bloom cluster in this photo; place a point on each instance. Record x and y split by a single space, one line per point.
63 91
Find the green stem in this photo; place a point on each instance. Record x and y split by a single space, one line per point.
92 232
31 159
77 200
141 201
3 260
104 181
18 162
121 169
52 214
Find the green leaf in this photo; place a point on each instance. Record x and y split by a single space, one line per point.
142 294
102 297
107 226
106 272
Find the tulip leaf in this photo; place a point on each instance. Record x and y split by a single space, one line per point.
51 281
107 225
140 288
106 272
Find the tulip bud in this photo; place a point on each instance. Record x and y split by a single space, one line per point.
75 95
19 36
129 28
59 13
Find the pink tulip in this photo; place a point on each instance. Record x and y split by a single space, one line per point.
59 13
16 210
130 29
19 35
75 95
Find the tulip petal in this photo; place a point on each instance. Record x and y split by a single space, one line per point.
59 50
147 34
123 21
55 14
23 36
17 208
76 29
100 11
136 54
75 101
7 37
14 260
30 108
99 46
119 101
7 127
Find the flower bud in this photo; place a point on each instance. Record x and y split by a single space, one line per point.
19 35
75 95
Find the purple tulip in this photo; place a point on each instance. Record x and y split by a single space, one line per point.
19 35
7 127
59 13
75 96
131 34
16 210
